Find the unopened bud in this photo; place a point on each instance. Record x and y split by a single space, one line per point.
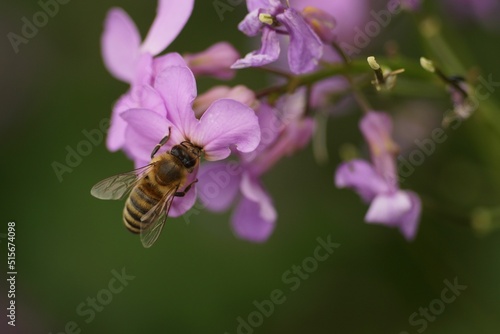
427 65
373 63
239 93
215 61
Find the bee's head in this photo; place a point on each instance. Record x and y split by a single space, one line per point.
187 153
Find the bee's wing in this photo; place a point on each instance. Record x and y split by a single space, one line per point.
117 186
154 220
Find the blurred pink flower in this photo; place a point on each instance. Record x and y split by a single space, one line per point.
215 61
377 182
485 12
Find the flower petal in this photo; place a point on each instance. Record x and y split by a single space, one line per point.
145 129
168 60
171 17
120 43
389 209
306 47
376 128
138 97
226 123
219 183
248 224
256 4
143 71
252 189
268 53
116 132
361 177
251 24
410 221
177 86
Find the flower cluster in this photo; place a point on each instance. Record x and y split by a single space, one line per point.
162 92
244 133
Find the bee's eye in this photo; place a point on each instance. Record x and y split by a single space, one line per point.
174 151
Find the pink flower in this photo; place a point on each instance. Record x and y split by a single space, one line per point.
377 182
305 47
224 125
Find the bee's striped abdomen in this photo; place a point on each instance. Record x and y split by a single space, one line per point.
142 198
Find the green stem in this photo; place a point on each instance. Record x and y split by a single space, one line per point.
354 67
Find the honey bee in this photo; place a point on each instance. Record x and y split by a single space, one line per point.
152 188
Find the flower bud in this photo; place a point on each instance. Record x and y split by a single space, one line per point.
239 93
215 61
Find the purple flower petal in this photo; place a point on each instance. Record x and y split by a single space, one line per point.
256 4
224 124
138 97
116 132
251 24
349 14
409 222
171 17
167 60
177 86
376 128
248 224
145 129
218 186
144 70
270 126
305 48
389 208
362 178
252 189
322 23
120 43
268 53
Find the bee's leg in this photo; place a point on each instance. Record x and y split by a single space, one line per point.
160 144
183 193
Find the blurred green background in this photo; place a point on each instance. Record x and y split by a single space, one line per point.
199 278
